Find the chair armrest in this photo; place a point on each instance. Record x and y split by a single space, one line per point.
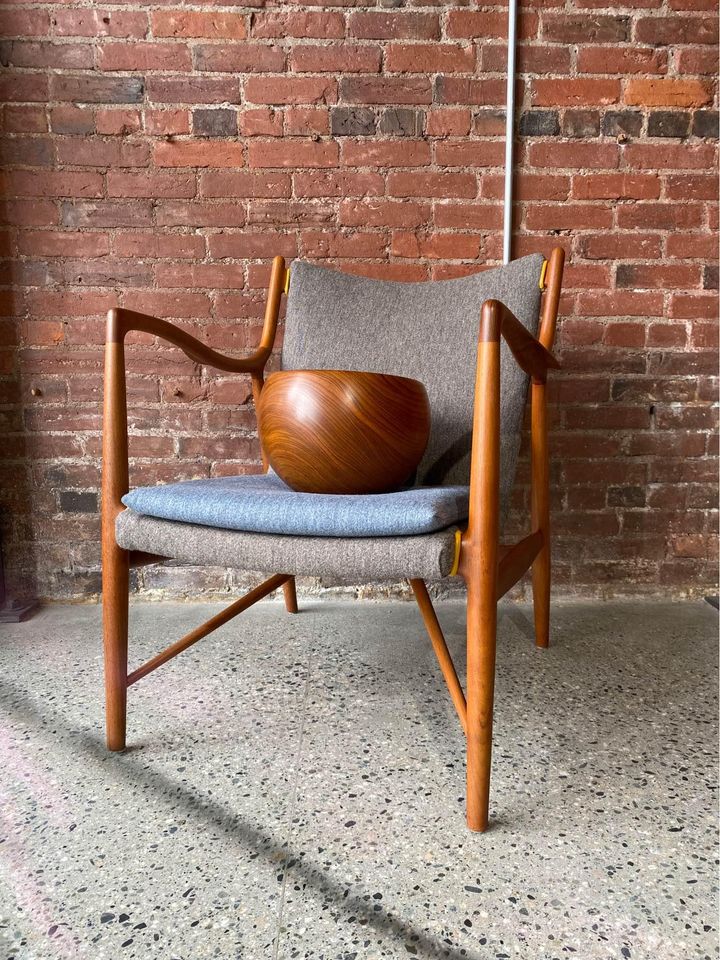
121 322
115 431
530 354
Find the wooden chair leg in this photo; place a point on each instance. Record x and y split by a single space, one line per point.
291 604
541 596
481 635
541 514
116 569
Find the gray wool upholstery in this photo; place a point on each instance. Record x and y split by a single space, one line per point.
428 331
357 560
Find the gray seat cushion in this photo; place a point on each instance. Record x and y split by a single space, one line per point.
357 560
262 503
428 331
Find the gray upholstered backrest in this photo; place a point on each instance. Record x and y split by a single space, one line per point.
428 331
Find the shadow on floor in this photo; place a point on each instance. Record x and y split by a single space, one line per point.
219 817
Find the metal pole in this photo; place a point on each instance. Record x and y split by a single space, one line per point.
509 131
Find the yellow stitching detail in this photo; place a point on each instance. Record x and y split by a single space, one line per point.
456 560
542 274
286 288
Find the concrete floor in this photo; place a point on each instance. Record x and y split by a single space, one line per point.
294 789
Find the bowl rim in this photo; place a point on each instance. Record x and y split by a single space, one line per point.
347 373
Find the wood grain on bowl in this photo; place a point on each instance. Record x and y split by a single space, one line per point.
341 431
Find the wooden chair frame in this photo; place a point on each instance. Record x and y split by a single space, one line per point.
488 567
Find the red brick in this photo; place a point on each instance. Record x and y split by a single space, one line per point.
307 121
436 246
469 24
399 90
335 58
342 183
292 154
25 23
443 185
75 56
381 212
151 185
198 275
621 246
144 56
245 184
261 122
462 90
659 216
24 119
102 153
675 30
470 153
323 26
448 122
616 186
47 243
94 22
193 213
198 153
166 122
574 93
159 245
696 60
252 246
691 187
378 25
565 216
236 57
193 89
430 58
331 243
571 155
290 90
667 92
404 153
118 122
585 27
186 23
51 183
622 60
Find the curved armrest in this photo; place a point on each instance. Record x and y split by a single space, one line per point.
497 320
121 322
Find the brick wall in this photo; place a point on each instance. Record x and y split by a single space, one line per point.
157 155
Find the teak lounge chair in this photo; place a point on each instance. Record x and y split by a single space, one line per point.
434 332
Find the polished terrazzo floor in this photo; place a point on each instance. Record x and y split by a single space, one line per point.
293 788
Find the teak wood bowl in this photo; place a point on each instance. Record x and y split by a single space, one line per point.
341 431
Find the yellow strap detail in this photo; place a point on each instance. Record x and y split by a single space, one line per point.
456 560
542 274
286 288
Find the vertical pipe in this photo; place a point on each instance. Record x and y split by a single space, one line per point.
509 131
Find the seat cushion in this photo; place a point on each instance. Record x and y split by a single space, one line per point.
427 556
262 503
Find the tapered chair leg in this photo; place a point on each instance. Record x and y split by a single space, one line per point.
115 643
481 635
541 513
291 604
541 596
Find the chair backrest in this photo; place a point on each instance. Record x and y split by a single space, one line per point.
428 331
